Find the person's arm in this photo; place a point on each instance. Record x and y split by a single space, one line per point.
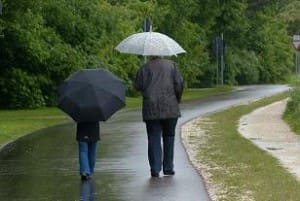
143 79
178 83
138 83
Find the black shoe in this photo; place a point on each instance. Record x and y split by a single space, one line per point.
154 174
169 172
85 177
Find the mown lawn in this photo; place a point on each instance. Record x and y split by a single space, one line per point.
15 123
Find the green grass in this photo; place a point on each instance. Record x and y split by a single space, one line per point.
292 116
188 95
15 123
133 102
240 166
292 113
191 94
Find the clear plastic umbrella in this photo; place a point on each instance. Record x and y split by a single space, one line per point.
150 44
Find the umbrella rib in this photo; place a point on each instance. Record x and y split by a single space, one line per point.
115 95
170 50
146 37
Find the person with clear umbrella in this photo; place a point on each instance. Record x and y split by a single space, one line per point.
161 85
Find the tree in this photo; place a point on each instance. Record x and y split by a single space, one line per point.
45 41
291 15
272 45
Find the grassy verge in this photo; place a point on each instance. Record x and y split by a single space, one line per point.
188 95
292 113
243 170
191 94
14 123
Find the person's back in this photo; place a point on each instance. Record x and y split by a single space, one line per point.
87 131
161 85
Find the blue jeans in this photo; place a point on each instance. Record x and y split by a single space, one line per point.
87 157
156 129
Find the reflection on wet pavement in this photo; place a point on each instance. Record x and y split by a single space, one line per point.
44 166
88 191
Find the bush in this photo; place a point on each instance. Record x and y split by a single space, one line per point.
242 67
20 90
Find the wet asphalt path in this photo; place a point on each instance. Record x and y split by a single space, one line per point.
44 166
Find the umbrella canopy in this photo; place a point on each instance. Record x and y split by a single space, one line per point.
91 95
150 43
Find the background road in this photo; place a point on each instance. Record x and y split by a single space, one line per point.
44 166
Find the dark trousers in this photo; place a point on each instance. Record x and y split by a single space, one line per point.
157 129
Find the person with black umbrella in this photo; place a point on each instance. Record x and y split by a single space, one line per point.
90 96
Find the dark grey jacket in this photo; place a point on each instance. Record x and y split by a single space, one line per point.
161 85
88 131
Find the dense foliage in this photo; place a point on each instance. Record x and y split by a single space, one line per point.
45 41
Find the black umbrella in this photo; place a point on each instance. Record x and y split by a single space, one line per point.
91 95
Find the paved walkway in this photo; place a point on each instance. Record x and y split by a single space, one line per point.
266 129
